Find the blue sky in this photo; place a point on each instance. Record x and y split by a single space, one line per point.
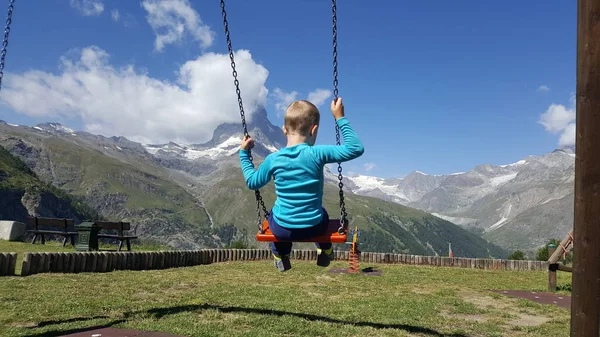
437 87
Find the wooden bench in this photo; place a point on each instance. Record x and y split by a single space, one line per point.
63 224
120 227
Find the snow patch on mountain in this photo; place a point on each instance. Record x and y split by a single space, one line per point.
520 162
55 127
497 181
369 183
227 148
502 221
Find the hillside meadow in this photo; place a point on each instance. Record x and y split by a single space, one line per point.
253 299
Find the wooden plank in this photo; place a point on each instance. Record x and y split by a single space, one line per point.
3 264
152 260
562 267
109 262
12 264
59 263
143 261
42 263
52 262
26 264
33 263
585 303
103 265
113 225
34 260
51 222
93 260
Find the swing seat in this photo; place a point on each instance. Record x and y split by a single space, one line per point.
330 235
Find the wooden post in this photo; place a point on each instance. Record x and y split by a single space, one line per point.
552 268
585 306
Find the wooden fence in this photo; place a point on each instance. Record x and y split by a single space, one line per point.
8 263
78 262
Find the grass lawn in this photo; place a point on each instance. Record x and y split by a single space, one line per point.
253 299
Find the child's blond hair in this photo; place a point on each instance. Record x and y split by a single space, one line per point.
301 116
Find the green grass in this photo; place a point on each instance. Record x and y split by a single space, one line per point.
253 299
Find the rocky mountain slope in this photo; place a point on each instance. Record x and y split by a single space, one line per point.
518 206
385 226
22 194
117 178
194 196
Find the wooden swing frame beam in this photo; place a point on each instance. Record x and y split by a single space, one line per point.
585 304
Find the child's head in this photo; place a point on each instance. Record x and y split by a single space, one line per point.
302 119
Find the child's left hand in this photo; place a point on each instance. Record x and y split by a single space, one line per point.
247 143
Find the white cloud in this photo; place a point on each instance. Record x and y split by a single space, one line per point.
567 138
283 98
125 101
172 20
369 166
561 119
319 96
88 7
557 117
543 88
115 14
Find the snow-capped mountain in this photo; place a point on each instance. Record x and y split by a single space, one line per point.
518 205
55 127
226 141
497 200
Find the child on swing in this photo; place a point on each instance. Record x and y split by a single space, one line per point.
297 170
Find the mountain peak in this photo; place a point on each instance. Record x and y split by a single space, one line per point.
226 141
55 127
268 137
566 149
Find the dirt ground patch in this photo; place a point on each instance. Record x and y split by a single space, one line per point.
495 306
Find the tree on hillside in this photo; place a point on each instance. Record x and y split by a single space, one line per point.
517 255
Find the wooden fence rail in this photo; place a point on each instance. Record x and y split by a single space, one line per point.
8 263
77 262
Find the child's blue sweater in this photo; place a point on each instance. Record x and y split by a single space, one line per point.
298 175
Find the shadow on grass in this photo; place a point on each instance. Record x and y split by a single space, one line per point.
54 333
161 312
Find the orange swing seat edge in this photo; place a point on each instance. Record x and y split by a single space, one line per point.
331 235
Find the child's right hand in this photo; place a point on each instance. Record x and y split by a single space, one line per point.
337 108
247 143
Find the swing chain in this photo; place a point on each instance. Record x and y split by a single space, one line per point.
5 42
343 213
259 200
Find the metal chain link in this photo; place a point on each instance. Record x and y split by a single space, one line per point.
5 42
259 201
343 213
